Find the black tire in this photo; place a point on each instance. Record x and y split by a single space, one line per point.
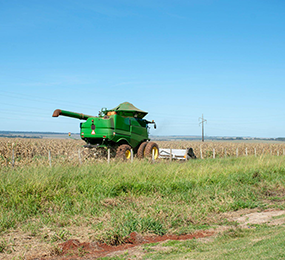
190 154
140 152
124 152
149 148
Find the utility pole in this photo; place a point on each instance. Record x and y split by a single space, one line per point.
202 123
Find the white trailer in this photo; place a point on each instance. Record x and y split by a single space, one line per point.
176 154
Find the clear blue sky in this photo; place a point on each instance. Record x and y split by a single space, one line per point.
175 59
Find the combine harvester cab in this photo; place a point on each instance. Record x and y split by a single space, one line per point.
122 128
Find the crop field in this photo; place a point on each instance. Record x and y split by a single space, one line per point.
100 205
27 151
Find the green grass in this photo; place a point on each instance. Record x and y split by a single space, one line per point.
260 243
117 199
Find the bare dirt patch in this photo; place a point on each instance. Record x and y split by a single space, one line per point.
270 217
21 245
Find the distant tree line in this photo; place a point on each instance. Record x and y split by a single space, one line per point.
20 136
280 139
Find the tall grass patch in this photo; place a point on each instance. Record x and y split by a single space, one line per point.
120 198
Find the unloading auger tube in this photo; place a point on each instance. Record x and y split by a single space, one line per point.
59 112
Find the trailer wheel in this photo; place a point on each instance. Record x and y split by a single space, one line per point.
124 152
150 148
140 152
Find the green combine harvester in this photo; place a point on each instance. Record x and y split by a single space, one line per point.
121 129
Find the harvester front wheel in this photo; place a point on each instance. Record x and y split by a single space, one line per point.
124 152
151 148
140 152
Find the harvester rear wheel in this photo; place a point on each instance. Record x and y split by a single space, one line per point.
140 152
150 148
124 152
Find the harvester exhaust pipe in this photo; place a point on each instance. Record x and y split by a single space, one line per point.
59 112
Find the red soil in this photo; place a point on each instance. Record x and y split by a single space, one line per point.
73 249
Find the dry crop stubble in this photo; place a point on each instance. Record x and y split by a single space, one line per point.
30 151
229 148
35 151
